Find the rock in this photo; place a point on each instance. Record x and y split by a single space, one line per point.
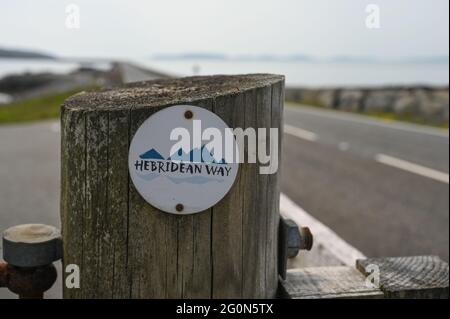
18 83
425 104
310 96
380 101
293 94
327 98
405 103
350 100
441 99
432 105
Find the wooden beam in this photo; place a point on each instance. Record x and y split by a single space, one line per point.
409 277
402 277
326 282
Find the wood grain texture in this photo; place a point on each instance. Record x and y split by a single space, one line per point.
410 277
125 247
227 219
251 229
327 282
73 177
117 205
273 191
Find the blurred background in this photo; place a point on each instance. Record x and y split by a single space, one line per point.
366 116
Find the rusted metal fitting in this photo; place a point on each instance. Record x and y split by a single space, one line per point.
29 252
188 114
296 238
292 239
31 245
3 274
306 238
28 283
179 207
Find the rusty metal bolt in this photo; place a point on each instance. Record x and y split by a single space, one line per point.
291 240
297 238
306 238
31 245
29 251
179 207
3 274
31 283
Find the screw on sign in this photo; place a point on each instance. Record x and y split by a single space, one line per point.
188 114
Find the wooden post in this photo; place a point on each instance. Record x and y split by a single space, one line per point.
126 248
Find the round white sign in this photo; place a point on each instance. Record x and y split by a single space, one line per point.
183 159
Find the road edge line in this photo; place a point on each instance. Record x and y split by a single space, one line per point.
324 237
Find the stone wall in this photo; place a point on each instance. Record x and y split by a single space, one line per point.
419 103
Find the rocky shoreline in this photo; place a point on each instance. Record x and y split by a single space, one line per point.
16 87
425 104
21 86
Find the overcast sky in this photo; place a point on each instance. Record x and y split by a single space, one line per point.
134 28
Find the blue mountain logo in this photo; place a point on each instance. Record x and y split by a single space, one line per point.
151 154
199 155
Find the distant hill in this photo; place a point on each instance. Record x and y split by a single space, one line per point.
190 56
22 54
299 57
240 57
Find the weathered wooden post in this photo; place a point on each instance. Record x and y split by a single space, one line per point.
125 247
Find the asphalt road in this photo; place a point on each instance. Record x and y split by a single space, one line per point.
29 180
134 73
381 186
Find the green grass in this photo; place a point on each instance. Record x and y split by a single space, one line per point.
387 116
34 109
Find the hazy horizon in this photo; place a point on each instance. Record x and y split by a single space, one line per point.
142 29
193 55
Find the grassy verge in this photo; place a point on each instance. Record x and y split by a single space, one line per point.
34 109
385 116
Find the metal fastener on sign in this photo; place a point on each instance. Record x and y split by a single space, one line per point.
188 114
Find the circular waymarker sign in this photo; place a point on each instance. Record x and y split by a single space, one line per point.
183 159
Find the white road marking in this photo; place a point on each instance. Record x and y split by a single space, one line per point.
364 119
412 168
326 241
300 133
